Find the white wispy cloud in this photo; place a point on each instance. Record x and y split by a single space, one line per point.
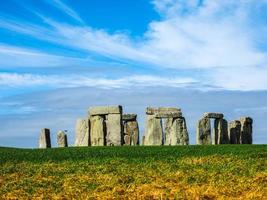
12 56
66 9
57 81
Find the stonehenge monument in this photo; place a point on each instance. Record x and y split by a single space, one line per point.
175 132
130 130
62 140
219 132
82 129
44 139
108 126
246 130
234 131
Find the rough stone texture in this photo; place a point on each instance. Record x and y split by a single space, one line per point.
222 126
246 130
131 129
153 131
204 131
129 117
44 140
62 140
234 131
105 110
213 115
143 140
176 132
82 137
127 140
114 130
97 130
164 112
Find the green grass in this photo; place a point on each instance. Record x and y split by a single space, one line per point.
142 172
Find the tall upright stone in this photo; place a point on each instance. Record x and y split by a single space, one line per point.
45 140
114 130
246 130
82 137
130 129
222 126
176 132
234 131
204 131
98 130
111 119
153 131
62 140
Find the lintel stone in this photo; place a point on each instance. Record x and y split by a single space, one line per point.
129 117
164 112
213 115
105 110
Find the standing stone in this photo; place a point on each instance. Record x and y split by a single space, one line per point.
131 129
97 132
203 131
168 132
185 136
82 132
153 131
246 130
44 140
234 132
62 140
127 140
114 130
176 132
143 140
222 126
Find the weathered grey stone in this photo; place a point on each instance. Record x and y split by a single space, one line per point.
246 130
97 130
176 132
143 140
105 110
114 130
222 126
131 129
204 131
153 131
127 140
44 140
164 112
82 132
129 117
62 140
213 115
234 131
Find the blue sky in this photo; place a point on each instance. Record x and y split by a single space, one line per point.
58 57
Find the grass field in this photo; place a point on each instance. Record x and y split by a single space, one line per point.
181 172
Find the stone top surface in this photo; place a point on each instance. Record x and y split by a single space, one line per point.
164 112
234 123
213 115
61 133
129 117
246 119
105 110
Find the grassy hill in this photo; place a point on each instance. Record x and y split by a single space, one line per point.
180 172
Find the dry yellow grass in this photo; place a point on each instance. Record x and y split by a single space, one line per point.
201 177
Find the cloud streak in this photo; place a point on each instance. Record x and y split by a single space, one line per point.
212 36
